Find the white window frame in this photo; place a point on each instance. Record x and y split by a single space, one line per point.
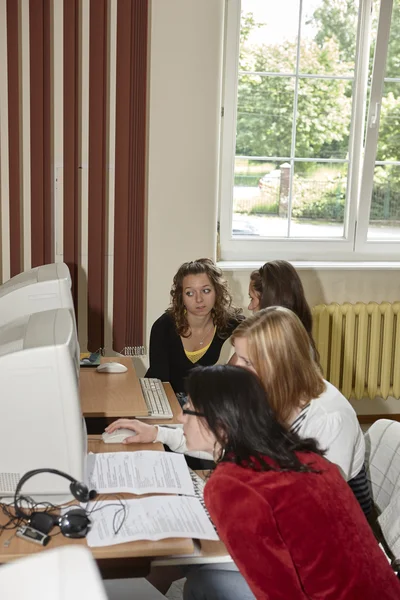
354 245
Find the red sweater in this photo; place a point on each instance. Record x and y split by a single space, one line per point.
298 535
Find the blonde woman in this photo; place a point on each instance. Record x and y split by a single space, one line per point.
274 344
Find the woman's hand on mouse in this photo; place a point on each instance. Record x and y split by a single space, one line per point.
145 434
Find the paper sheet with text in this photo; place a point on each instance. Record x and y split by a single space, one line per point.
153 518
142 472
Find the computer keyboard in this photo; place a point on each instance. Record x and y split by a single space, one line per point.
198 485
155 398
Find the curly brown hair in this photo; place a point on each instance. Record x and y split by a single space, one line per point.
222 313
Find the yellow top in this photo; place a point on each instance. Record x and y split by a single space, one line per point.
197 354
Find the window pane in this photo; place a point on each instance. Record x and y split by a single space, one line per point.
264 116
285 118
393 59
389 126
328 37
318 202
384 221
323 121
268 38
260 198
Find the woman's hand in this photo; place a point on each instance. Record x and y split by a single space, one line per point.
145 434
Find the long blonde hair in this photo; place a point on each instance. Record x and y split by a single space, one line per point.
279 349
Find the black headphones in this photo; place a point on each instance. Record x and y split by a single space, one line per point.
74 523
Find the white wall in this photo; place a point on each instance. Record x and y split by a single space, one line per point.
184 112
325 286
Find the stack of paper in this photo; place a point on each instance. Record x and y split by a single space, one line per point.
143 472
155 518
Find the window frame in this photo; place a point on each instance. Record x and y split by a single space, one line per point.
354 246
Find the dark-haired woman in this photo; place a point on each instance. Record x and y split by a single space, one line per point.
289 520
193 330
277 283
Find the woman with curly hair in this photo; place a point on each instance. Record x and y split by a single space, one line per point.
193 330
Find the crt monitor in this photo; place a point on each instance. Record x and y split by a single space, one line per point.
40 413
39 289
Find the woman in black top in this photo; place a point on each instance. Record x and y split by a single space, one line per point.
193 330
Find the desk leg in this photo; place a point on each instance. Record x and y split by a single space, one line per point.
123 568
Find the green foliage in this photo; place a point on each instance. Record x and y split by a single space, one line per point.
329 207
246 180
385 203
265 103
337 20
264 209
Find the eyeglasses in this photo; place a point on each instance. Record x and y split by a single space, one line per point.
188 411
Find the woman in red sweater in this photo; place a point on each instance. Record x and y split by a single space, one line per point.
287 517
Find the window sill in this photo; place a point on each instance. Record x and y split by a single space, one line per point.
302 265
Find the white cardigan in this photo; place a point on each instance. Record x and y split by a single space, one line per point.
330 419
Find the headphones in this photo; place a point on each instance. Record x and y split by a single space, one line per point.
74 523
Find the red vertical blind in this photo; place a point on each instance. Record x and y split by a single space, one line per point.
130 169
14 136
97 172
70 132
61 86
41 160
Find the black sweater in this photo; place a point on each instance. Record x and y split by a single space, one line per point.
168 360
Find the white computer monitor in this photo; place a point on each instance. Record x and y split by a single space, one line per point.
57 574
43 288
40 413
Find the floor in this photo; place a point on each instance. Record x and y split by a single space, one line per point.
140 589
175 592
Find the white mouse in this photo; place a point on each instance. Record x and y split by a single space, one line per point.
117 436
111 367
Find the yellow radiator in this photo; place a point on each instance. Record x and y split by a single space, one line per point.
359 347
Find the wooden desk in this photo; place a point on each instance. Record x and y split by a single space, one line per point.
109 396
122 560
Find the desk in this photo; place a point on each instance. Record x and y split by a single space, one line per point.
109 396
122 560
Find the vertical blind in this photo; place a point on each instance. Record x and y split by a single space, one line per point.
73 96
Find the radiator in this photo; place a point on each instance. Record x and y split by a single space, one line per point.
359 347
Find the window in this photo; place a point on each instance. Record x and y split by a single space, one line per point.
310 165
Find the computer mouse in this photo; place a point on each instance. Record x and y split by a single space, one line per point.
117 436
111 367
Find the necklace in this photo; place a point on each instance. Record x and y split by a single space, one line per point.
201 342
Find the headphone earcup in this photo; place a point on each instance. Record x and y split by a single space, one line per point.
75 523
92 494
79 491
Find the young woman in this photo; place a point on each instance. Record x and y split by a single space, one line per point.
193 330
289 521
274 345
277 284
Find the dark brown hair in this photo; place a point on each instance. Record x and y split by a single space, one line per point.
237 411
278 284
223 311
